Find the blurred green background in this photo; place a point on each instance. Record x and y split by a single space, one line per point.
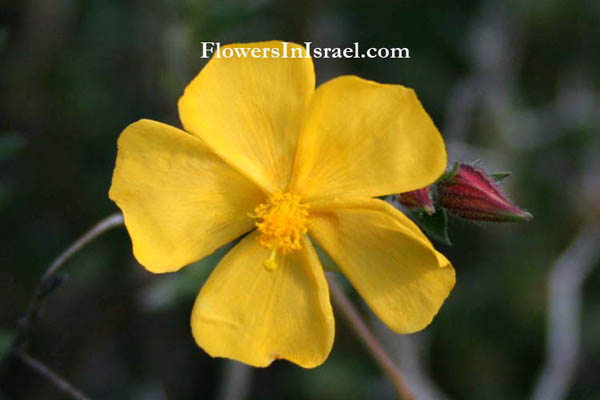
513 84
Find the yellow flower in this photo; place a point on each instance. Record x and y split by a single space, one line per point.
268 154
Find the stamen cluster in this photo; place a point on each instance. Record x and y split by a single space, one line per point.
282 221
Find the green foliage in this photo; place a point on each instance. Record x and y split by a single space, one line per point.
499 176
449 174
435 226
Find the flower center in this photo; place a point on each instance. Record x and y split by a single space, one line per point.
282 221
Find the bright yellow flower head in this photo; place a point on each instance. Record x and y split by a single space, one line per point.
264 152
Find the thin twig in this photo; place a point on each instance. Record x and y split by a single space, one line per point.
40 292
58 381
343 304
410 352
564 306
44 287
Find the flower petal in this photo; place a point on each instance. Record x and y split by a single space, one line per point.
362 138
396 270
253 315
180 202
249 110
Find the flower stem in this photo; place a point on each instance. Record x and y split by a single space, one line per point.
378 352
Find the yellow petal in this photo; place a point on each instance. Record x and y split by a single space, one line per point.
397 271
362 138
180 202
254 315
249 110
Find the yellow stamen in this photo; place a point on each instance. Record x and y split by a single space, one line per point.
270 263
282 221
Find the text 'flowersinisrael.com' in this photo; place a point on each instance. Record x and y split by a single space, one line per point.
308 51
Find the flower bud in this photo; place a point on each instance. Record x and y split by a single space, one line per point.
470 193
418 200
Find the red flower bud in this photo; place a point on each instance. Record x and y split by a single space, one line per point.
418 200
472 194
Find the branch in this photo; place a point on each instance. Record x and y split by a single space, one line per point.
410 352
361 329
47 282
51 376
564 304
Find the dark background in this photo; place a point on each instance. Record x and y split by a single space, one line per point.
512 84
